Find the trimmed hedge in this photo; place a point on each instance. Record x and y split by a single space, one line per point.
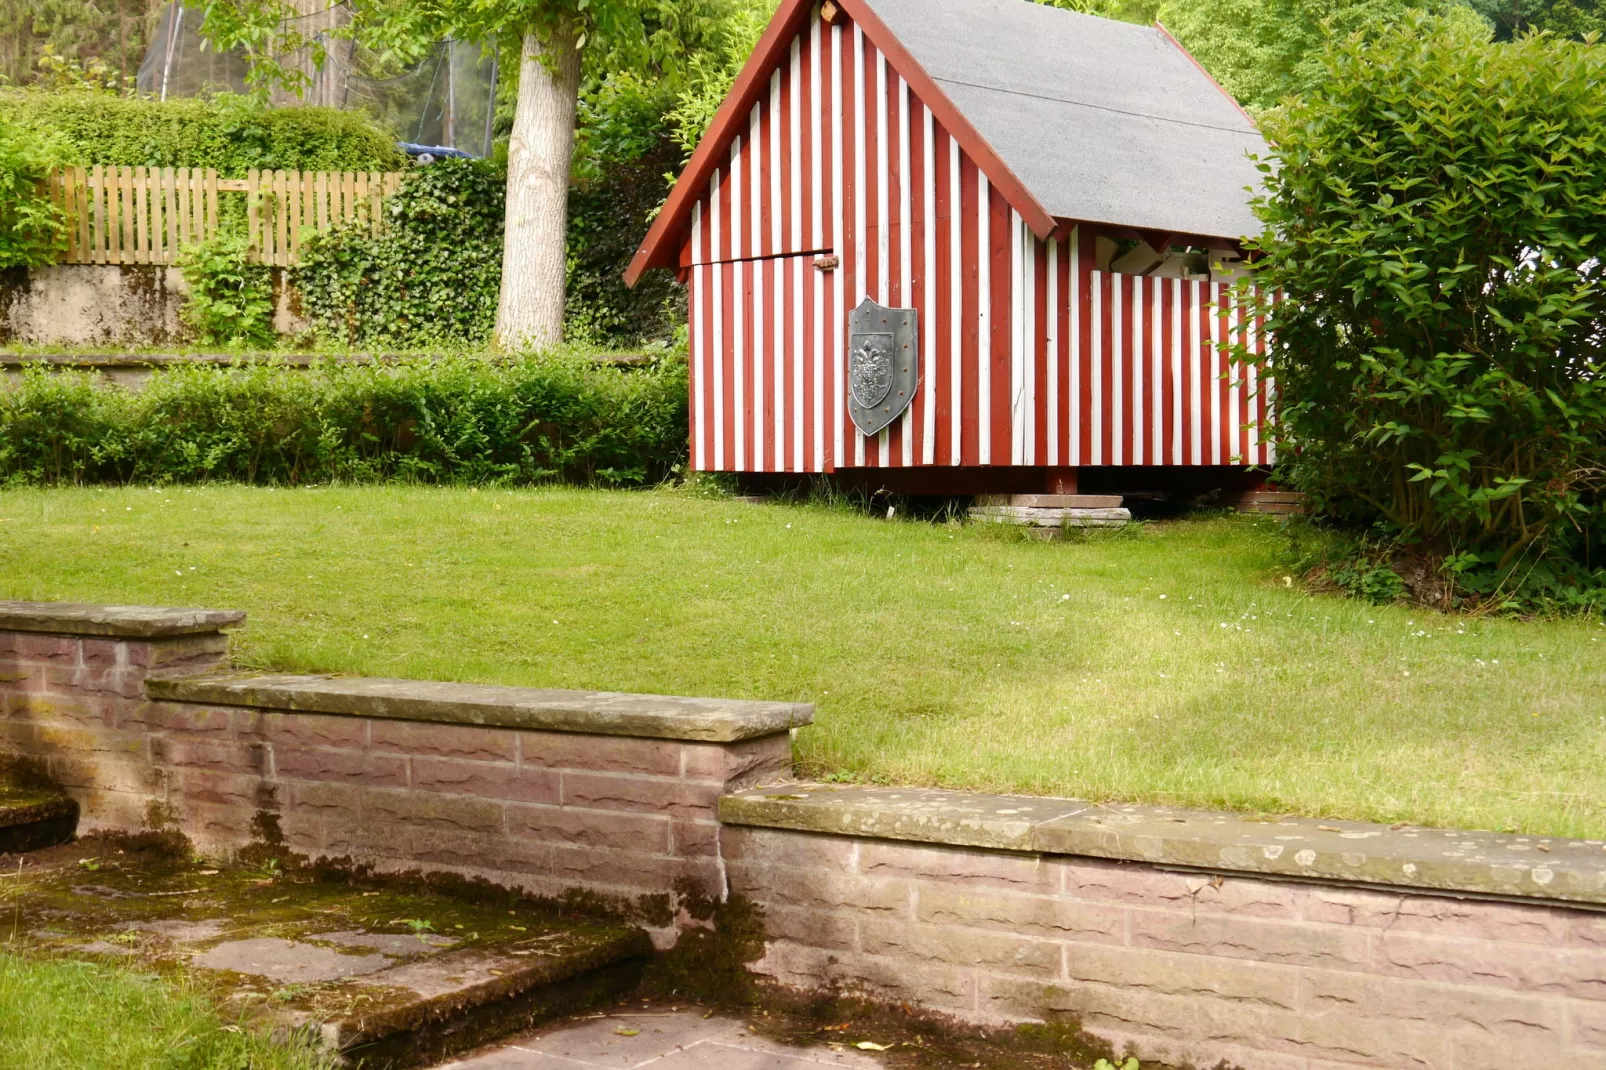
230 133
459 420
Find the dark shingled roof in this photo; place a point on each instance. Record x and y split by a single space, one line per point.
1102 121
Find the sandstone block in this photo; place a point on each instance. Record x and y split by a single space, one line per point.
1373 1042
1047 916
738 765
602 754
960 947
694 839
811 928
1249 938
680 798
781 847
1197 977
1421 1004
821 889
957 865
348 766
428 810
1432 914
488 780
206 753
1579 973
313 729
241 790
444 740
646 833
630 871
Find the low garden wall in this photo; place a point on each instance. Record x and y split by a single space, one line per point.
1191 938
107 304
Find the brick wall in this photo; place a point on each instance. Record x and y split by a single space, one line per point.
1186 968
548 811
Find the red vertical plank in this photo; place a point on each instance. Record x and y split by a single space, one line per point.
1000 237
947 302
919 271
968 402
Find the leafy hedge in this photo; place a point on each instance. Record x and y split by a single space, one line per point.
32 228
455 420
430 277
230 133
1435 224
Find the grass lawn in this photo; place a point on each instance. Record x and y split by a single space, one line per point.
92 1017
1170 664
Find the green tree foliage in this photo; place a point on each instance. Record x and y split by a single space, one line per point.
430 276
1263 50
32 230
108 37
1434 222
230 133
450 420
1565 18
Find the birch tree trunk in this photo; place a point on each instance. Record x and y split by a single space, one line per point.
534 250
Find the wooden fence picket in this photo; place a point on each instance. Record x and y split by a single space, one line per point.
149 215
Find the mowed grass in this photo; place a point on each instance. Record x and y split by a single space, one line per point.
93 1017
1172 664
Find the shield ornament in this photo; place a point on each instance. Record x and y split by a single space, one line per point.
883 364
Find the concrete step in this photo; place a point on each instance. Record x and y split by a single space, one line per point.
1051 501
1051 518
386 973
33 817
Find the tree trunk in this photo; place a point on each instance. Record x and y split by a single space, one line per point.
534 251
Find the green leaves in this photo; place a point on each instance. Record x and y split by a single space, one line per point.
463 419
430 277
231 296
32 229
1441 356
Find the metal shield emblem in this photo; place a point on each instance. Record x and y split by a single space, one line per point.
883 364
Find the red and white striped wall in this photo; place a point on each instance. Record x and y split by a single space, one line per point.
1029 355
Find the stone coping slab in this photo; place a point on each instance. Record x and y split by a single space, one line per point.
121 622
1430 860
707 720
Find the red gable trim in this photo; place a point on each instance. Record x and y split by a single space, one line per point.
660 247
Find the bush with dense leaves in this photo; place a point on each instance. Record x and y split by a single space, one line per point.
1435 223
230 133
32 228
451 420
430 276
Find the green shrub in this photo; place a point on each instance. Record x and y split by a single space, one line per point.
32 229
231 295
455 420
430 276
228 132
1434 221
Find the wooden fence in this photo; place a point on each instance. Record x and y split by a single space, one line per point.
147 215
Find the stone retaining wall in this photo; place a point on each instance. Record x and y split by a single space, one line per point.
551 791
1193 938
1178 964
110 304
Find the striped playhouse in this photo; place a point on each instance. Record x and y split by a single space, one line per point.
1058 198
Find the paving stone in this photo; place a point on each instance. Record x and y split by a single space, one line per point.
287 961
683 1040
